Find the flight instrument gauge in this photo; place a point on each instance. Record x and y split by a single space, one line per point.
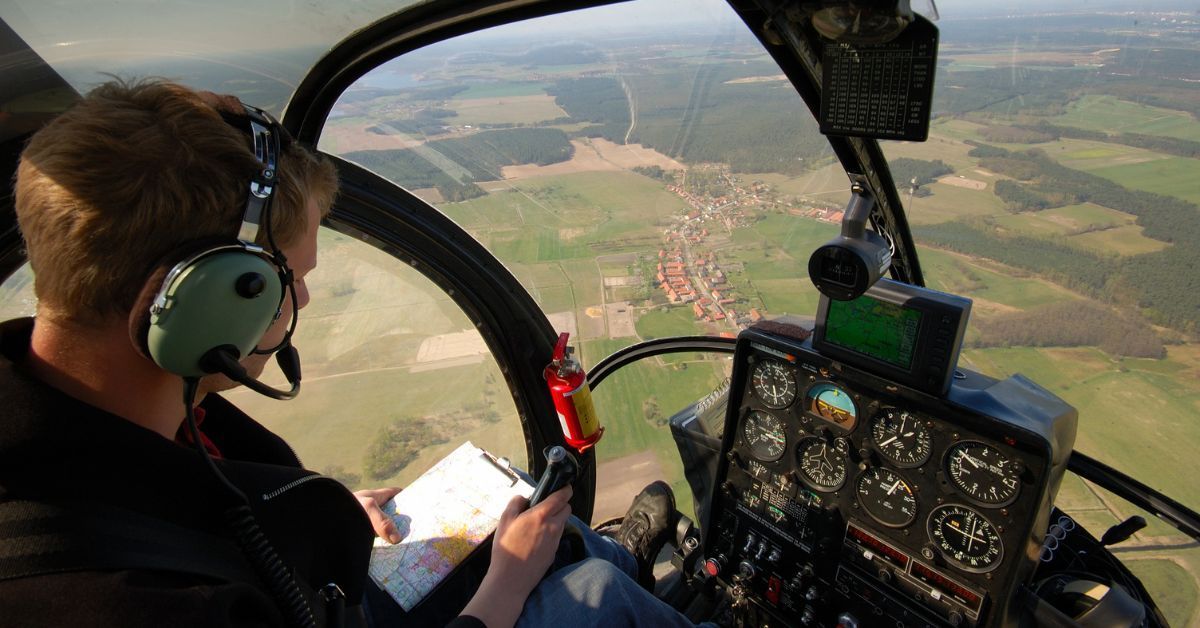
902 437
823 463
773 383
764 435
982 473
887 497
966 538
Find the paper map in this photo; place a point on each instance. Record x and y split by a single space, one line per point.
442 516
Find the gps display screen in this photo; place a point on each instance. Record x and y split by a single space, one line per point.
868 326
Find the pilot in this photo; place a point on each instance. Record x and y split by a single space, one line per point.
114 509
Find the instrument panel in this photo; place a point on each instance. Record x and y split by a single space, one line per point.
843 493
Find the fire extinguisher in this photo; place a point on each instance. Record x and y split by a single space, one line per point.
572 397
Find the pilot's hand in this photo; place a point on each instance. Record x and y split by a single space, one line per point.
524 546
372 501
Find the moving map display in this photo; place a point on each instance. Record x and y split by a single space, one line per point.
883 331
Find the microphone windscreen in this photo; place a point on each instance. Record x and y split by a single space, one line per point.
288 359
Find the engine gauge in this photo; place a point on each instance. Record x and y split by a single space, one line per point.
887 497
764 435
773 383
823 464
831 403
966 538
982 473
902 438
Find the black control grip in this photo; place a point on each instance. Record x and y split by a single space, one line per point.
561 469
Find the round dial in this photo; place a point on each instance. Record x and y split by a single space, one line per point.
832 404
773 384
965 538
887 497
982 473
902 438
764 435
822 464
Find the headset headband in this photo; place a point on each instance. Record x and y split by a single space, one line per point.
265 133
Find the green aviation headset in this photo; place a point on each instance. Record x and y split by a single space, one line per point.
215 306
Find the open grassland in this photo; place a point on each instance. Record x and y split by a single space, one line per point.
623 405
339 416
480 91
985 281
1120 241
503 108
950 202
1139 419
678 320
1172 586
597 212
1108 114
1172 176
1062 221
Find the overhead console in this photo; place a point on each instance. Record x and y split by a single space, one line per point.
862 477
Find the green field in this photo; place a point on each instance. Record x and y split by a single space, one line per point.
620 403
675 321
1172 176
1173 588
1108 114
503 108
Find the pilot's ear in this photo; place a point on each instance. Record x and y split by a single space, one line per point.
139 316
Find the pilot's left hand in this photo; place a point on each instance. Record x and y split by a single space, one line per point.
372 501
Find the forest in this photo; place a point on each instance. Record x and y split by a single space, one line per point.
453 165
918 173
1070 324
697 115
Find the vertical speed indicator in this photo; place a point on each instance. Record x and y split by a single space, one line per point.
773 384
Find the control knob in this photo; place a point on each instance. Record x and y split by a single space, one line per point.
715 565
746 570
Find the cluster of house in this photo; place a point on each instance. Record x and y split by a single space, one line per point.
702 283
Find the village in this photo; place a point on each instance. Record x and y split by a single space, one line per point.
689 269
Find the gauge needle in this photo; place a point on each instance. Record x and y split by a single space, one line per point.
893 489
970 535
975 463
884 443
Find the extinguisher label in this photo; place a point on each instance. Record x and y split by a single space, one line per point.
582 399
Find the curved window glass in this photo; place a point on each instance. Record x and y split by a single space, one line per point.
640 183
395 375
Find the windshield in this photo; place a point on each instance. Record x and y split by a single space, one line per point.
1058 190
257 52
643 183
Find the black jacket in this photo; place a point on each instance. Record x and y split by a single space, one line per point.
57 450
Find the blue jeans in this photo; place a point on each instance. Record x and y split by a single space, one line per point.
600 590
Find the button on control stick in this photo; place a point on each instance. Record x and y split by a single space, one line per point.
561 469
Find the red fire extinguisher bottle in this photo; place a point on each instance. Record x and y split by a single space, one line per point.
572 398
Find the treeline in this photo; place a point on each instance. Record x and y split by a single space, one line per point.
906 172
1016 135
1071 324
453 165
1165 284
428 122
1163 218
1157 143
698 116
1071 267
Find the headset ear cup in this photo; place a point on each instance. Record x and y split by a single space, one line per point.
225 298
139 316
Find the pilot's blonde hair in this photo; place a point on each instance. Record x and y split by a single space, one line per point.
132 173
